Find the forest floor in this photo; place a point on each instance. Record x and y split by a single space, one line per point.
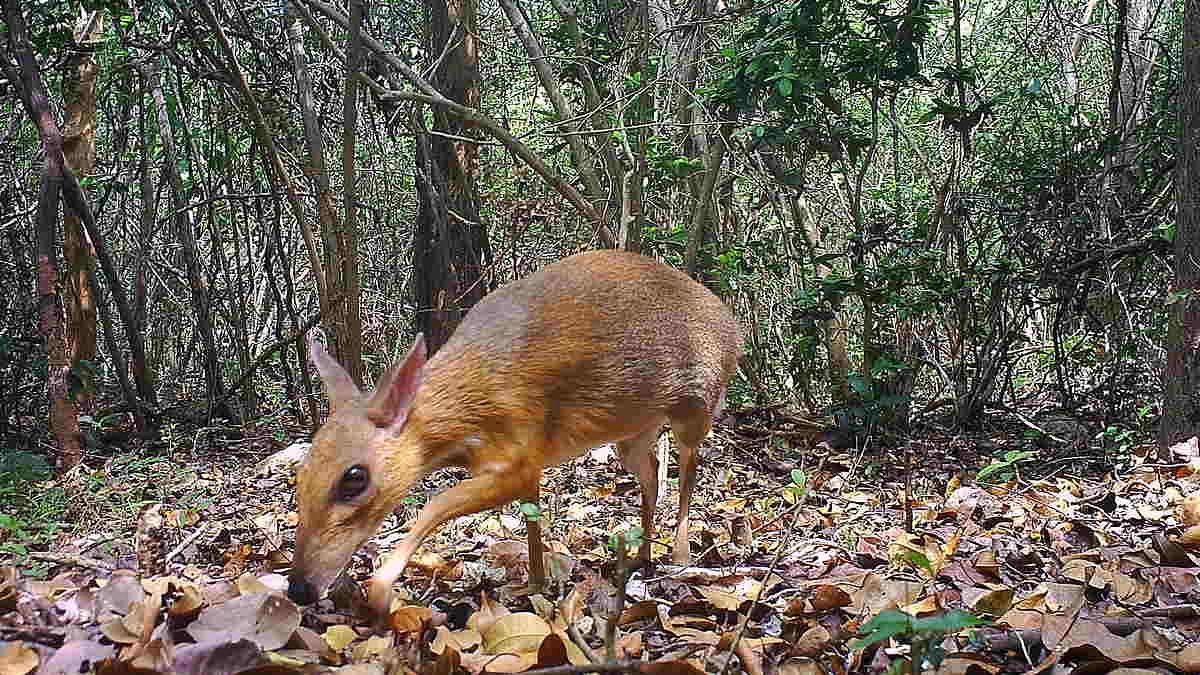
1010 556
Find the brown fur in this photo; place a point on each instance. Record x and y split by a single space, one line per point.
599 347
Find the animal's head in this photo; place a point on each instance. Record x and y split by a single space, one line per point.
360 466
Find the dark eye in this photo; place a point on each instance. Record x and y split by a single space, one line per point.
353 482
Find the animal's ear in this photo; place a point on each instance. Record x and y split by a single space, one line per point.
397 388
339 386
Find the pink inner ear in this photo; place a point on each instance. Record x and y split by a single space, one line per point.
397 388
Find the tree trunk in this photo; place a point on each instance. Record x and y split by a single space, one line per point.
451 250
64 416
79 148
198 287
143 370
350 328
1181 378
314 141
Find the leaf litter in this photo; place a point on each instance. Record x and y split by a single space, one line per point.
798 569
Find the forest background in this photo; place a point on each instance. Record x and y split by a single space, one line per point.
936 213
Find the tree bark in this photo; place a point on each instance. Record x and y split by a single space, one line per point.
198 287
262 132
1181 377
580 155
350 335
147 225
468 116
64 416
326 211
79 148
451 249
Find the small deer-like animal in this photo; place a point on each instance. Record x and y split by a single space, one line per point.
601 347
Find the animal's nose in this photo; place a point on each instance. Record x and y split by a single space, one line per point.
301 591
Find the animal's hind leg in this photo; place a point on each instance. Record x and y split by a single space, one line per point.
690 423
637 456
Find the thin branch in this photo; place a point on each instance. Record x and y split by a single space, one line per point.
431 96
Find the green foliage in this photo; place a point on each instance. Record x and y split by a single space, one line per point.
1005 467
924 634
801 60
30 511
630 540
873 401
531 511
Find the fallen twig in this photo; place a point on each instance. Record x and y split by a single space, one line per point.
72 560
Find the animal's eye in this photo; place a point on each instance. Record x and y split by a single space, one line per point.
353 482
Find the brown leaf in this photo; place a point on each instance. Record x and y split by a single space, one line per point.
265 619
498 663
519 633
1188 659
371 648
966 664
17 659
76 656
721 599
487 613
248 584
812 642
990 601
827 597
1189 510
122 590
643 609
217 657
362 669
1077 637
188 602
629 646
552 652
116 631
800 666
409 618
1189 539
8 589
309 640
459 640
447 663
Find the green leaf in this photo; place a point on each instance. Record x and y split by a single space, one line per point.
784 86
950 622
531 511
919 559
884 626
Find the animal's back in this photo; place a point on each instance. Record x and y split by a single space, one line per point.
592 348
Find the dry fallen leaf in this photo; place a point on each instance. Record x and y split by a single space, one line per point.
828 597
1188 659
458 640
409 618
339 637
372 647
265 619
216 657
522 632
487 613
1189 510
76 656
17 659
